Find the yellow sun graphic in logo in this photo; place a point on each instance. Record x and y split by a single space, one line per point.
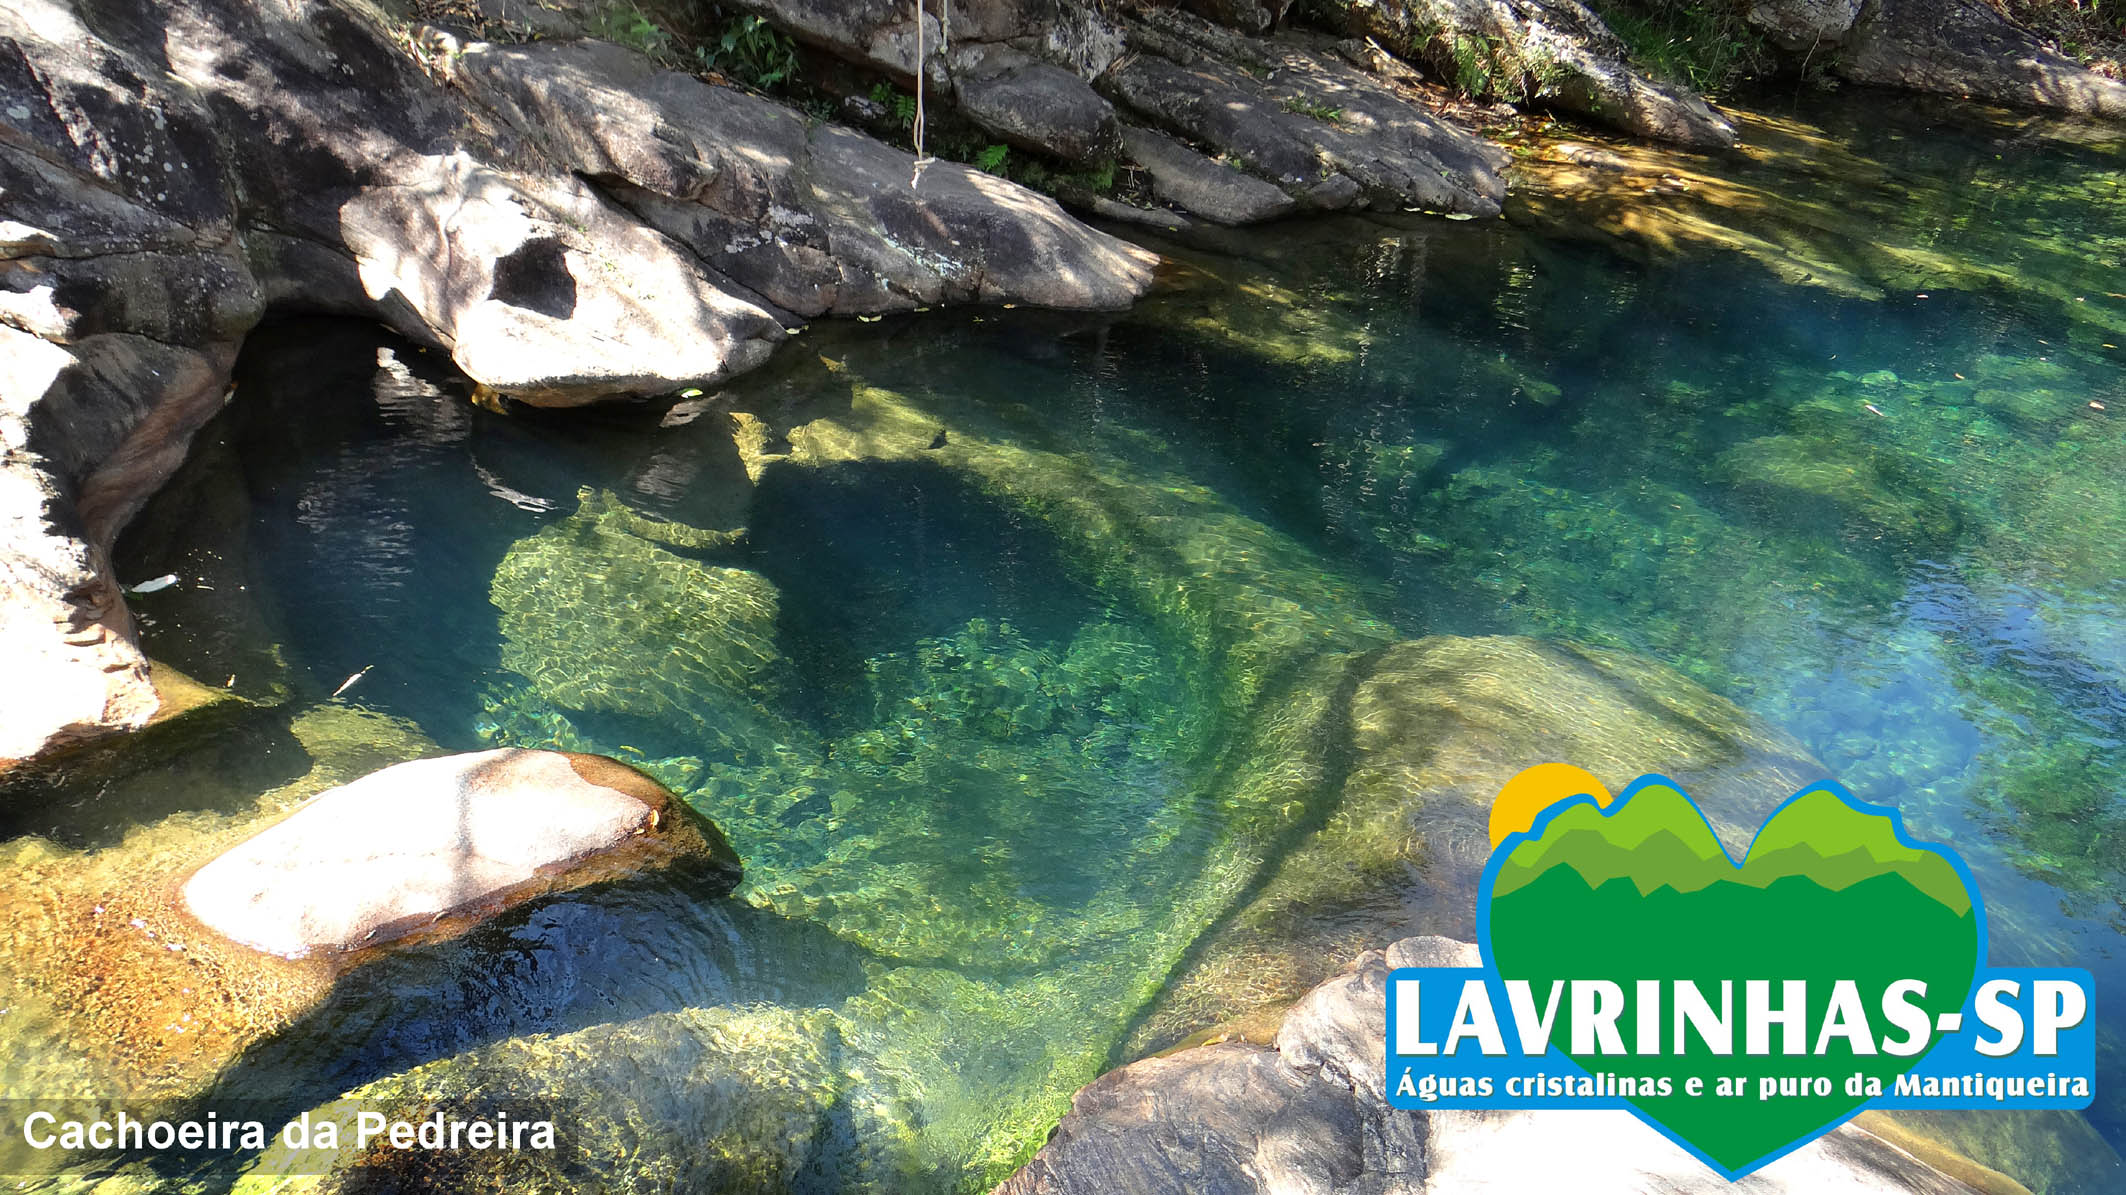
1527 795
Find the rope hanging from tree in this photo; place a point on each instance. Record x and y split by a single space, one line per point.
922 157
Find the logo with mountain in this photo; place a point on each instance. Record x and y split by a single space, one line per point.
1832 907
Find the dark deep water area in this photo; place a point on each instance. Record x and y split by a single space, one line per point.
959 623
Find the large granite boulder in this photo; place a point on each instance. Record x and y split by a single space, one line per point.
1284 109
883 34
122 293
817 219
1965 48
1015 68
1201 186
1034 104
1307 1112
425 849
1805 25
1252 16
1290 111
1555 53
1971 49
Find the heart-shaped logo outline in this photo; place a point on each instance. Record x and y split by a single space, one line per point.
1504 850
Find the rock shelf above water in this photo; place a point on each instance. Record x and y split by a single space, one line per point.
154 964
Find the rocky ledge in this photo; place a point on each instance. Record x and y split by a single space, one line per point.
175 952
1307 1112
570 221
1964 48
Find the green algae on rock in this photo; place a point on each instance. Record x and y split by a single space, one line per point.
131 978
1242 596
1125 784
1436 727
1860 207
118 990
750 1098
1049 784
602 618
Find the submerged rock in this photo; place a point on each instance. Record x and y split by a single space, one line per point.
428 848
751 1098
1436 727
603 612
1554 53
1307 1112
114 986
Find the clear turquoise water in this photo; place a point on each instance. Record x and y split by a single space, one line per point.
984 782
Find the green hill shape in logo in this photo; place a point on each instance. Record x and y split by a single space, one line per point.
1659 839
1644 891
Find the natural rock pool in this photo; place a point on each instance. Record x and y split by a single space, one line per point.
1050 675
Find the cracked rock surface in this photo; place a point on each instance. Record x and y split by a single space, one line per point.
1554 53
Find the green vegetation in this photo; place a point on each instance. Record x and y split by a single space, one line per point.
1042 176
738 47
1708 47
1482 67
991 158
630 26
2092 32
751 50
1325 113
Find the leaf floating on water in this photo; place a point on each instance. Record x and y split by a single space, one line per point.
1461 215
349 682
156 585
869 319
516 498
687 412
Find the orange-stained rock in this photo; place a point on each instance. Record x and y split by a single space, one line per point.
115 984
424 849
